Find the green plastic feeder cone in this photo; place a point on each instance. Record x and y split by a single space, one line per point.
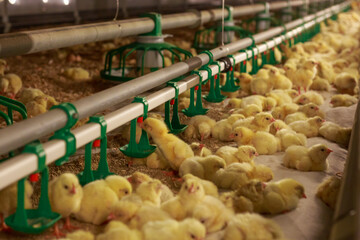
87 175
174 125
34 221
197 108
230 85
142 149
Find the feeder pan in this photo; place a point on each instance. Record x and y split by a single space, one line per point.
34 221
103 171
142 149
11 105
149 51
174 124
210 38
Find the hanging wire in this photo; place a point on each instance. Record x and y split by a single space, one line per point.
223 23
117 10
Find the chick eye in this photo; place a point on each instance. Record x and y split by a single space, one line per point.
197 188
267 118
236 134
202 221
322 150
192 236
253 152
66 187
312 107
126 191
186 187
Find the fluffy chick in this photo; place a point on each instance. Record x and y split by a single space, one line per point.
10 84
99 197
282 96
212 213
223 128
243 153
280 81
77 74
277 126
199 127
245 80
310 97
304 112
200 150
209 187
252 226
307 159
280 112
328 191
335 133
249 110
260 122
305 75
8 200
191 193
173 148
261 86
346 83
118 230
309 127
79 235
188 229
202 167
65 195
264 142
343 100
320 84
148 192
289 138
3 66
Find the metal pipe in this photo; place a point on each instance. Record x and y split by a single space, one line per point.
24 164
34 128
41 40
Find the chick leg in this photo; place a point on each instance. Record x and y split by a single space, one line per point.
57 232
299 90
68 226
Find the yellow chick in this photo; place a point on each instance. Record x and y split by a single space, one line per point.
304 112
209 187
260 122
281 112
309 127
100 196
264 142
77 74
282 196
157 160
280 81
173 148
243 153
148 214
199 127
252 226
305 75
223 128
234 103
125 211
3 66
289 138
328 191
261 85
212 213
29 94
8 200
200 150
188 229
326 72
307 159
277 126
346 83
335 133
320 84
310 97
245 80
202 167
249 110
282 96
79 235
118 230
138 178
254 99
343 100
184 102
10 84
191 193
65 195
148 192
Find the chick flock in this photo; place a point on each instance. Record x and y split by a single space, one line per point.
225 190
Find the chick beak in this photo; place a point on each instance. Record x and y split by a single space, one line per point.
329 150
232 136
303 195
256 154
73 189
130 179
201 145
272 120
111 217
277 129
323 120
316 109
191 189
263 185
331 102
141 125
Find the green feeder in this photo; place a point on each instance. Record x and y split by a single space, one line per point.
243 63
264 56
195 109
210 38
272 59
143 148
148 50
230 85
103 169
11 105
174 124
214 92
34 221
65 133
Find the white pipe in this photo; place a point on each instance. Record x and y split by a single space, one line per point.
24 164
